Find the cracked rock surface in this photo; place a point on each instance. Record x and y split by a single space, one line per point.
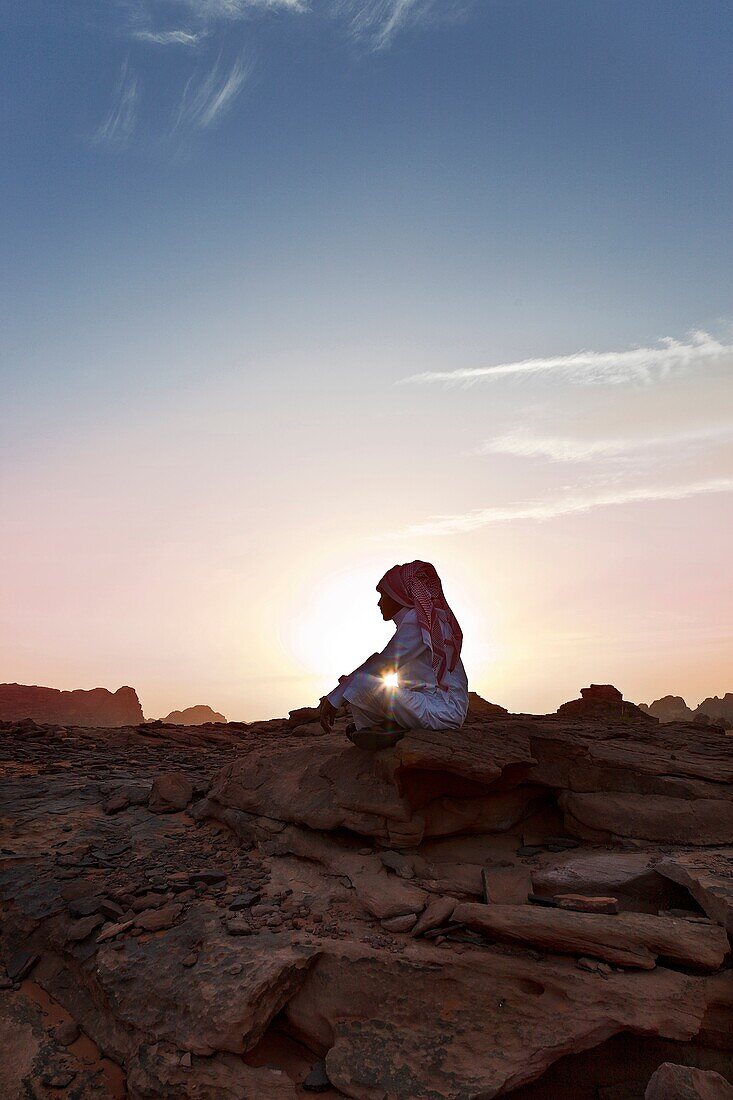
255 911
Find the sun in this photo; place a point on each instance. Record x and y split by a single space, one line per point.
391 680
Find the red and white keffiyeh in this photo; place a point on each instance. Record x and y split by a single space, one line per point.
417 584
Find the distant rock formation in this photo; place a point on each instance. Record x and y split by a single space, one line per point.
717 709
602 701
480 709
712 711
98 707
670 708
194 716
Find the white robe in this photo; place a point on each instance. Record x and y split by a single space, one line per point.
417 702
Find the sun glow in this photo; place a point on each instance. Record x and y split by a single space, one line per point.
390 680
339 625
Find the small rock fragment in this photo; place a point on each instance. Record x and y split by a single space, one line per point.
584 963
244 901
437 912
58 1080
538 899
155 920
84 907
20 964
207 878
80 929
398 863
116 803
111 930
110 909
317 1080
66 1032
582 903
146 901
238 926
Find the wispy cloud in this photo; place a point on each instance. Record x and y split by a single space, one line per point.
118 125
553 508
610 367
211 10
376 22
207 98
563 449
170 38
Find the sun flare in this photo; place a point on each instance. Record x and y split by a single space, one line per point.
390 680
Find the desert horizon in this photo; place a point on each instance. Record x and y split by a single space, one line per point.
19 701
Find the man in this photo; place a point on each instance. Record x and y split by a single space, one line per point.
418 680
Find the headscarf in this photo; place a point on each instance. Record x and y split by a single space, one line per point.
417 584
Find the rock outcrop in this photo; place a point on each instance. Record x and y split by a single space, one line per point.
717 710
712 711
193 716
602 701
480 709
97 707
528 906
671 708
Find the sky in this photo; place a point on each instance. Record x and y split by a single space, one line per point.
296 289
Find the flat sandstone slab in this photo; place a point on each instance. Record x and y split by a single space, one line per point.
628 939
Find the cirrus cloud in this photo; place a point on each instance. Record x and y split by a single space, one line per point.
555 507
609 367
523 444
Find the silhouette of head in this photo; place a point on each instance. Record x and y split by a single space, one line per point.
388 606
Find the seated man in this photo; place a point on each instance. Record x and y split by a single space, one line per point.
418 680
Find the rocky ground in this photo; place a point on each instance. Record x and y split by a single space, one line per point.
534 906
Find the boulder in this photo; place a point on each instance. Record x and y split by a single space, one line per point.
672 1082
383 895
171 791
708 875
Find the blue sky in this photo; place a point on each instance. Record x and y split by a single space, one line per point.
233 229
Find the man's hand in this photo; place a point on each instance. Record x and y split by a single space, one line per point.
326 715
